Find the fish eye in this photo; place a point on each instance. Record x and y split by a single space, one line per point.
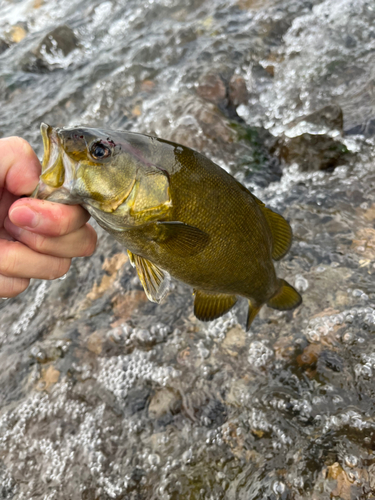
99 151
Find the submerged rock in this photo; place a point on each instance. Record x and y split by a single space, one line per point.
3 46
164 401
106 395
313 152
313 142
52 51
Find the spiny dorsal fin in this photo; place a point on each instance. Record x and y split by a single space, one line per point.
154 281
209 306
280 230
177 237
285 298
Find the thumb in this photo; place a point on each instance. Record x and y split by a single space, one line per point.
19 166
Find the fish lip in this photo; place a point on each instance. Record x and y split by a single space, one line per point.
53 169
51 143
56 182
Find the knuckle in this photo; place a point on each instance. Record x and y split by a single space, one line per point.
40 243
63 221
9 258
23 145
61 267
90 244
17 286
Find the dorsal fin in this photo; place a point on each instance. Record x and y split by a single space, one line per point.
280 230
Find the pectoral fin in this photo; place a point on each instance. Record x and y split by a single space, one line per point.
209 306
177 237
285 298
154 280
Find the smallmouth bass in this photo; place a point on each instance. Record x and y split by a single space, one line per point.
176 212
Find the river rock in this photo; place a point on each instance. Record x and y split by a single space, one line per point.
164 401
212 88
51 51
3 46
313 142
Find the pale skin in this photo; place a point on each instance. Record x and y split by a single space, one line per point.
38 238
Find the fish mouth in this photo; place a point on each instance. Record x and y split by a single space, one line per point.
56 169
53 172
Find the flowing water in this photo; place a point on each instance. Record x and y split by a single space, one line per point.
105 395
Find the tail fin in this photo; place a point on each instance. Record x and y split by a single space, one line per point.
285 298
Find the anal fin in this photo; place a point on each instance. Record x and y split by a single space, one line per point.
209 306
154 280
252 312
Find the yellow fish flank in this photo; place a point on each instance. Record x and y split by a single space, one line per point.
176 212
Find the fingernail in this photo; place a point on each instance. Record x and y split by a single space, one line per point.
25 217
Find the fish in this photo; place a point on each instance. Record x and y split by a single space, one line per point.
176 212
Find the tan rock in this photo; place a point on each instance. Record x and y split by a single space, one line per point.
164 401
234 341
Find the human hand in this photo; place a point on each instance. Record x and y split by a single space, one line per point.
37 238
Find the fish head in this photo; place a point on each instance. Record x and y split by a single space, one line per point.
110 173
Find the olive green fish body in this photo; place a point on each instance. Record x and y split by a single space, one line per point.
206 197
175 211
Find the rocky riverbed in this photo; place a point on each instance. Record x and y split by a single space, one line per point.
104 395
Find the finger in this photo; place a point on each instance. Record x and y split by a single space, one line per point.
48 218
10 287
80 243
19 261
6 200
19 166
4 235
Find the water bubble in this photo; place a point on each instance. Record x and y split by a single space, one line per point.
351 461
259 354
301 283
278 487
154 459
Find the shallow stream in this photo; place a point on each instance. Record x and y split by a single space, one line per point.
104 395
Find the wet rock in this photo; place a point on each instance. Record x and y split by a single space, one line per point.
52 52
196 123
212 88
163 402
124 305
137 399
214 413
325 120
310 356
311 140
50 376
3 46
330 360
61 39
17 33
238 93
234 341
